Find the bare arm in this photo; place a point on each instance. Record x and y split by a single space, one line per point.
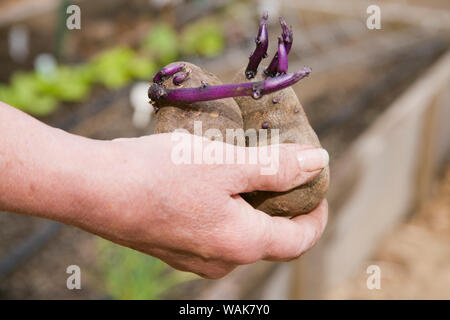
41 168
129 191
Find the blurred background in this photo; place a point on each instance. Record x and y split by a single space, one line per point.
378 99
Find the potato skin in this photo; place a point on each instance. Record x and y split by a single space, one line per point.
218 114
282 110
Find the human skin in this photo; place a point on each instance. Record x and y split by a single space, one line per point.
129 191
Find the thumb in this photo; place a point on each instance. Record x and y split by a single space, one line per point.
290 165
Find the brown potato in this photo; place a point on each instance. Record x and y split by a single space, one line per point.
282 110
216 114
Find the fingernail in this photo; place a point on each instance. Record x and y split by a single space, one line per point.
313 159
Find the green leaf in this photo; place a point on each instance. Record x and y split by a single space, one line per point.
111 68
129 274
142 68
40 94
69 84
204 37
25 94
162 43
41 106
7 95
28 101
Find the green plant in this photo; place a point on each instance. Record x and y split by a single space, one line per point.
116 67
204 37
162 43
25 94
40 95
67 84
129 274
113 68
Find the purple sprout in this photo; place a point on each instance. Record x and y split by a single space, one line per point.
288 37
287 34
276 99
277 76
180 78
262 43
282 57
161 96
167 72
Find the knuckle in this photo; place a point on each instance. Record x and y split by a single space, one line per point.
211 275
215 272
241 250
241 176
285 178
287 171
281 181
242 257
309 238
253 247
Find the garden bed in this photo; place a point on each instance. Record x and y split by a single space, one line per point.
413 258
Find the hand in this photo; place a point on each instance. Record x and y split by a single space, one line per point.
191 215
130 191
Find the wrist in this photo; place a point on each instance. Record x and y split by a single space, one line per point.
109 182
49 173
67 168
90 183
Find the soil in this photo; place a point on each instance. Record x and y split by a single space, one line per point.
44 276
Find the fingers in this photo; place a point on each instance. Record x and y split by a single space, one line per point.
290 238
273 238
267 168
207 270
285 167
213 269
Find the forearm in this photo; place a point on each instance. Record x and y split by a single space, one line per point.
47 172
